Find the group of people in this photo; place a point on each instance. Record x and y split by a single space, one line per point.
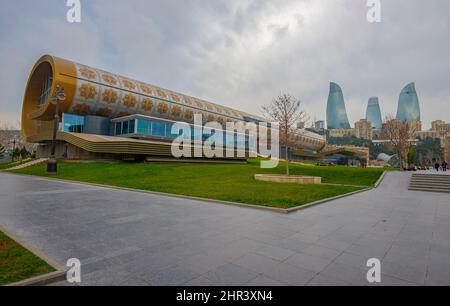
442 167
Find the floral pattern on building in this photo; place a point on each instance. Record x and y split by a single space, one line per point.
87 91
87 73
129 100
176 111
161 93
188 101
109 79
175 98
199 104
128 84
147 104
188 114
162 108
110 96
81 109
104 112
146 89
221 120
123 114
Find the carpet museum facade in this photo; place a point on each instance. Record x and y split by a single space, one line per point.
107 116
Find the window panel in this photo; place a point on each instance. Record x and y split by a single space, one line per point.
143 127
131 127
158 129
125 127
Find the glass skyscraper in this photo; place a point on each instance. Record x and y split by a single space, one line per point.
373 113
336 112
408 104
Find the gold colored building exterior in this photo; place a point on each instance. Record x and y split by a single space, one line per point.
363 129
94 92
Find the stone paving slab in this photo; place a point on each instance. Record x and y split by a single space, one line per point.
131 238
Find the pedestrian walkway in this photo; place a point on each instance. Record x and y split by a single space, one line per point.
131 238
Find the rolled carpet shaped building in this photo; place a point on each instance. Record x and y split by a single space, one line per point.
105 114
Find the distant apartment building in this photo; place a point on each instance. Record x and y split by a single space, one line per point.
301 125
340 133
363 129
447 148
439 130
440 126
319 125
416 125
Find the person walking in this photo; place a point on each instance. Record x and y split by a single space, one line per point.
444 166
437 166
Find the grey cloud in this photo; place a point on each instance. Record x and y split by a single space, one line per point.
242 53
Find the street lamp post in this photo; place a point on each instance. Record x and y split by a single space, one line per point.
59 96
14 142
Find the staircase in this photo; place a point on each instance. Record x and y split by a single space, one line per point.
430 182
29 164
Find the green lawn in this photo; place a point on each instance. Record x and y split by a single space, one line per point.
5 165
10 164
17 263
227 182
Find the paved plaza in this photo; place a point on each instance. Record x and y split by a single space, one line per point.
132 238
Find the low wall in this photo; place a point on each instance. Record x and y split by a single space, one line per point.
292 179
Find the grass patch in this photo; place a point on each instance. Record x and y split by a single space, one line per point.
4 166
226 182
17 263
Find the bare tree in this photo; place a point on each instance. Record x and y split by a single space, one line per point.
285 110
400 133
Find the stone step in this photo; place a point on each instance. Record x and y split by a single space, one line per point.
429 190
429 186
430 181
437 177
431 176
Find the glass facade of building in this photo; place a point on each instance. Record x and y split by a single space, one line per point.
125 127
336 112
73 123
373 113
408 104
153 128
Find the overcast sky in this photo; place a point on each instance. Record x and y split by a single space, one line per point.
241 53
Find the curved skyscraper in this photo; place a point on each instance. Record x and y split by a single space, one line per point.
336 112
373 113
408 104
